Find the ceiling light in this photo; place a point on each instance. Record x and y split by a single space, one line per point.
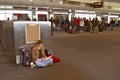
30 0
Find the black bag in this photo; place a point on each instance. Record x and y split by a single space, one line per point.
26 56
100 29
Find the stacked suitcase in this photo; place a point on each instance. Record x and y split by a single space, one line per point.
26 56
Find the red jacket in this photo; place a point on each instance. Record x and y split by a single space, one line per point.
77 21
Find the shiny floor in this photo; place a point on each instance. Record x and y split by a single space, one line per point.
84 56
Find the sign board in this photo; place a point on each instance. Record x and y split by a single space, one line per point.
98 4
32 33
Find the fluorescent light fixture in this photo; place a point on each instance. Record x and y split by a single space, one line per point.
30 0
86 11
8 7
61 2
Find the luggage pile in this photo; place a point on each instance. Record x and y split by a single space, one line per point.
26 57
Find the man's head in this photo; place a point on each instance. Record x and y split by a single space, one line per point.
40 43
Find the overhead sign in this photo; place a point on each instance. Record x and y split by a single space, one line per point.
98 4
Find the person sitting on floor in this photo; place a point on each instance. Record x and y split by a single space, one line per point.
39 55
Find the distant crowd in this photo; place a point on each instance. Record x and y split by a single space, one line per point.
82 24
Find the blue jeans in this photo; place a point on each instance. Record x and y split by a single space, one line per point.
42 63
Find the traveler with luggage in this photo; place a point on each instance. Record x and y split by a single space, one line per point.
39 55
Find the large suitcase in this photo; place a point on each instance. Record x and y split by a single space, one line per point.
26 56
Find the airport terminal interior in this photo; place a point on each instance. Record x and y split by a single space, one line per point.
59 39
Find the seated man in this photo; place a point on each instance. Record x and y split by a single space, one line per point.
39 55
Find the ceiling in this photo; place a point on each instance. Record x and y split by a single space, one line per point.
91 1
88 1
46 3
85 1
118 1
56 1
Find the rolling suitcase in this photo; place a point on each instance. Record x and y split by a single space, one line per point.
26 56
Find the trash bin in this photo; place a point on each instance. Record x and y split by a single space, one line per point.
17 59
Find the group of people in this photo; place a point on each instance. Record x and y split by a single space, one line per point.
41 56
80 24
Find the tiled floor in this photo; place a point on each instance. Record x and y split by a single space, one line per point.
85 56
